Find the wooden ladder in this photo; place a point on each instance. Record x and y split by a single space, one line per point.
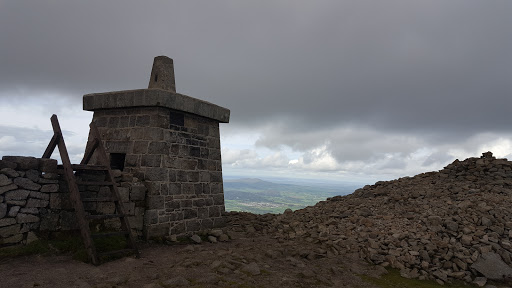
78 203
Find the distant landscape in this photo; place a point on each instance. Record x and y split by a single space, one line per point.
259 196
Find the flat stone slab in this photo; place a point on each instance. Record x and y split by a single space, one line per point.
155 98
492 267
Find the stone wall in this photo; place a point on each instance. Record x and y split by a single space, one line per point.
34 198
177 155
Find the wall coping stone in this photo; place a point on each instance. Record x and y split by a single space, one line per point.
155 98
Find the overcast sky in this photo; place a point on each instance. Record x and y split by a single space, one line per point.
341 90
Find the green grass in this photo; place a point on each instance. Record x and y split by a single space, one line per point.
394 280
60 244
65 243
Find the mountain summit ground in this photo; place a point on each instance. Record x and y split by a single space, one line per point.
453 225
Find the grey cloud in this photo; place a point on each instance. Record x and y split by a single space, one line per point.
413 73
23 141
399 65
440 157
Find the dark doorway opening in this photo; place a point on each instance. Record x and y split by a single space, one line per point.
117 161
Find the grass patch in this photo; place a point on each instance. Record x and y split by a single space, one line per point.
66 243
59 244
394 280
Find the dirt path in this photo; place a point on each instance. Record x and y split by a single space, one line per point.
244 262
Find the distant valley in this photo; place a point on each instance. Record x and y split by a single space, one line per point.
259 196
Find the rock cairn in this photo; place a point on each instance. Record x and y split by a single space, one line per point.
451 224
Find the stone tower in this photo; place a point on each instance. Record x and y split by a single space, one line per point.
171 142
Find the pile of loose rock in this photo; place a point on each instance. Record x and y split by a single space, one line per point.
451 224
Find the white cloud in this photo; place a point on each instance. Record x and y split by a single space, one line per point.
26 130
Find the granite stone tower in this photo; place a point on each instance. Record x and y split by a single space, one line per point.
171 142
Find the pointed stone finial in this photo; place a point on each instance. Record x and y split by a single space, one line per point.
162 74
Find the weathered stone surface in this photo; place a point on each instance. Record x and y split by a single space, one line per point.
12 239
251 269
7 222
156 98
4 180
9 172
24 163
138 192
196 239
48 165
33 175
9 230
3 210
492 266
19 194
7 164
34 211
176 282
14 211
162 74
26 183
480 281
26 218
10 187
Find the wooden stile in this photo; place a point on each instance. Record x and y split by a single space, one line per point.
68 172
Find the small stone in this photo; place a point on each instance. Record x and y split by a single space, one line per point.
26 183
452 226
17 195
39 195
13 239
29 210
50 188
32 202
4 180
486 221
251 268
212 239
26 218
466 240
8 188
7 222
9 230
216 232
11 173
223 238
177 281
196 239
13 211
480 281
33 175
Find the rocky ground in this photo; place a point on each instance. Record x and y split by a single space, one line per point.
442 226
248 260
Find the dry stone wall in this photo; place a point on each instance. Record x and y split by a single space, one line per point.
34 199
